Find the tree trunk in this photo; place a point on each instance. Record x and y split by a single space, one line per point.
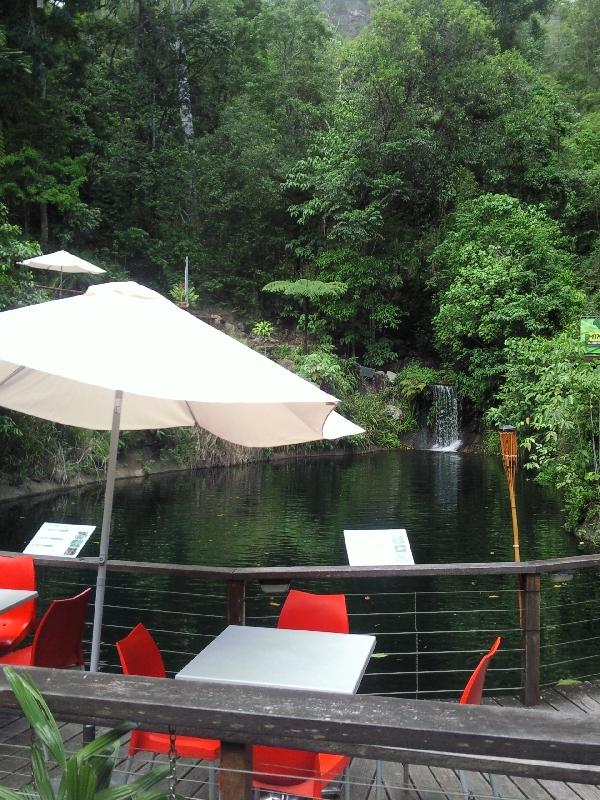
44 223
305 326
137 32
183 85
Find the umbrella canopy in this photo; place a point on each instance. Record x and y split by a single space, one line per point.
62 261
130 359
172 369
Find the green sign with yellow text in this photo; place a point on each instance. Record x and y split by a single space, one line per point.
590 336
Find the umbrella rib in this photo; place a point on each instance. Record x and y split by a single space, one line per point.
12 375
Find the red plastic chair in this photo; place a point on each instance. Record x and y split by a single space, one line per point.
302 773
17 572
472 695
58 640
473 691
304 611
139 655
296 773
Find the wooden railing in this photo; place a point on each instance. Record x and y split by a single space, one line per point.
544 744
236 580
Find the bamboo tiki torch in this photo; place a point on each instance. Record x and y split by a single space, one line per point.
508 447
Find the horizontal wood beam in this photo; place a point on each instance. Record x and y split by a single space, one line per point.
358 725
275 574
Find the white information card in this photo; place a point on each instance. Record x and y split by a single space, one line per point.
59 539
377 548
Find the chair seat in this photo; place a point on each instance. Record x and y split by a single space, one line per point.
20 657
12 632
185 746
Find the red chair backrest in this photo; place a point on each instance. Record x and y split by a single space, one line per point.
139 654
304 611
17 572
473 691
58 640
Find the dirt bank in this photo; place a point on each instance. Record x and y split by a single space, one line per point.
137 465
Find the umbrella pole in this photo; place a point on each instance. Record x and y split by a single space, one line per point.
105 535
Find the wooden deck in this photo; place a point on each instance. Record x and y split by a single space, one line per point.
426 783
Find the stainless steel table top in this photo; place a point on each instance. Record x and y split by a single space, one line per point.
282 658
10 598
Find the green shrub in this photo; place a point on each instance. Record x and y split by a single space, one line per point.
325 368
262 329
552 396
379 352
193 447
414 379
177 293
39 450
505 270
372 412
285 351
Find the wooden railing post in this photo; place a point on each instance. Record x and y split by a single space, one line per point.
236 602
530 692
235 771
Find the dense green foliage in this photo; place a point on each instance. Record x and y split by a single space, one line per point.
503 270
553 395
440 161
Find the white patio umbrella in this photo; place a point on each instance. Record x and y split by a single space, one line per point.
62 262
130 359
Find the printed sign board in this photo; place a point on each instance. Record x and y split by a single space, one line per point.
376 548
590 336
59 539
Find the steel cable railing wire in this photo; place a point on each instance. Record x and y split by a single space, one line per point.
466 617
569 642
163 611
146 590
358 619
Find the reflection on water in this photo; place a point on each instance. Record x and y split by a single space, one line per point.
453 506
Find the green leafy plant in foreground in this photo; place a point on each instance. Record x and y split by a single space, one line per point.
87 773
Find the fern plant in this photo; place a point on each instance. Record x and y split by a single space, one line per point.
86 775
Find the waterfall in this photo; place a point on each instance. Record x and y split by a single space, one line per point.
447 425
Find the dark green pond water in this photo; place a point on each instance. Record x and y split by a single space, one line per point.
453 506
